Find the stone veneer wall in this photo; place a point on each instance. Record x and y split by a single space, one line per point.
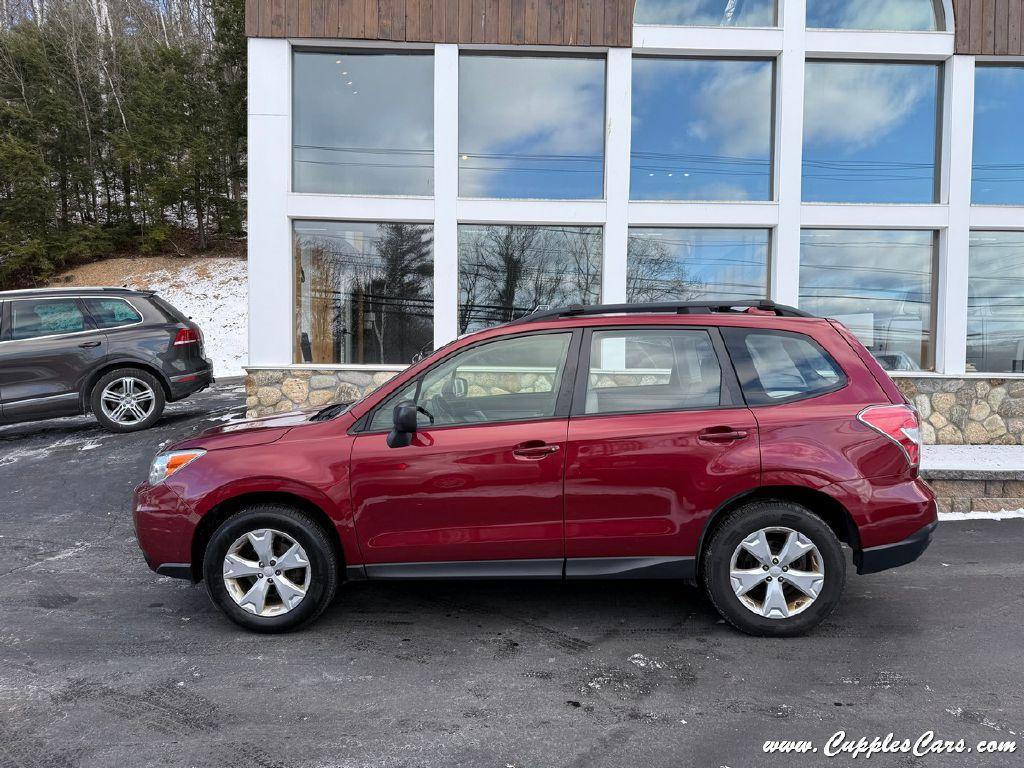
954 411
276 390
966 411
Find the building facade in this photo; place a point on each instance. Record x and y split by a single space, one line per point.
424 168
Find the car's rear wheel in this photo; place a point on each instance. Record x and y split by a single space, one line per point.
774 569
127 400
271 568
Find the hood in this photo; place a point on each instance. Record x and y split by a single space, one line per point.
248 432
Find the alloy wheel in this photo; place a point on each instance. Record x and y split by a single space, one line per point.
127 401
266 572
777 572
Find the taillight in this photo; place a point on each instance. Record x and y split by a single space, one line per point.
187 336
899 423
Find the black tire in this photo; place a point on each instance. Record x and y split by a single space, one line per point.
150 381
745 522
310 535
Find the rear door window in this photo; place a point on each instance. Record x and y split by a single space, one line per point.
779 366
639 371
33 318
111 313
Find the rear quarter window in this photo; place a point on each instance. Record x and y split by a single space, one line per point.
780 366
110 312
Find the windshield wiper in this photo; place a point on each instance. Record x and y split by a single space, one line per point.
332 410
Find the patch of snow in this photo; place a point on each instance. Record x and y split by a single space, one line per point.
214 293
644 662
1006 514
979 457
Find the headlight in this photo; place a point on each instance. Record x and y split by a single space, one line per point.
166 464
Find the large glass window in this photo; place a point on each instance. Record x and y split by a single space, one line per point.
706 13
702 129
507 271
908 15
696 264
870 132
363 292
531 127
879 283
998 177
646 371
995 303
363 123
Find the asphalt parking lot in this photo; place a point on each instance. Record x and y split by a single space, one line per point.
103 663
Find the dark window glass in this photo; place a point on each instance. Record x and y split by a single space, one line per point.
363 123
909 15
646 371
111 313
512 379
998 177
706 13
531 127
776 366
995 303
364 292
31 318
508 271
879 284
702 129
870 132
694 264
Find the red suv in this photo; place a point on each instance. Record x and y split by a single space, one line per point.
736 445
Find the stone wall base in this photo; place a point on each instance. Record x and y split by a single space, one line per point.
967 411
277 390
978 495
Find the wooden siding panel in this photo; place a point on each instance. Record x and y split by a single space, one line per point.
505 22
1013 45
543 22
494 22
1000 20
557 23
518 22
278 23
583 22
569 26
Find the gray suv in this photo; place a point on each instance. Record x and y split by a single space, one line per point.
118 353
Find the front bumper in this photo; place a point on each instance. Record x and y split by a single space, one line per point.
875 559
164 526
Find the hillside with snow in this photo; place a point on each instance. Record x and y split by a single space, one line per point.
211 290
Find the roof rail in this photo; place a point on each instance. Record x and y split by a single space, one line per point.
77 288
676 307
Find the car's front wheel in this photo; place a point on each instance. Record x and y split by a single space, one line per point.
271 568
774 569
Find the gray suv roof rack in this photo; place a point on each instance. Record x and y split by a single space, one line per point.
679 308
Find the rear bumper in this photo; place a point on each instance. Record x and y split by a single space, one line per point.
875 559
186 384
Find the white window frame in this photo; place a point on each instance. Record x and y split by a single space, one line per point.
273 205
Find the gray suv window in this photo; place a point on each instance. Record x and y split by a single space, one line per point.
32 318
111 313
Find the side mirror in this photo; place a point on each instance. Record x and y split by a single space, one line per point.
457 388
404 425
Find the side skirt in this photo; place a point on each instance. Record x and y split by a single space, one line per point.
680 568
